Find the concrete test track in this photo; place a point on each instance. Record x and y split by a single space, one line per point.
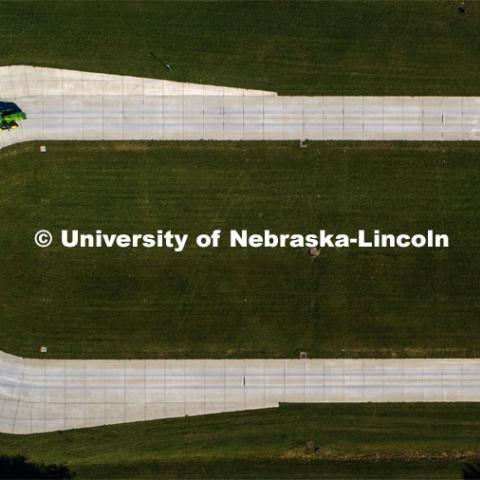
72 105
48 395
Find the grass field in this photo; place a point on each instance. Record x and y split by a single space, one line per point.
239 302
350 47
356 441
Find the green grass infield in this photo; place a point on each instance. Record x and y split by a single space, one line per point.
234 302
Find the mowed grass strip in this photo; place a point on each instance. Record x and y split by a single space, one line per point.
358 47
355 441
119 303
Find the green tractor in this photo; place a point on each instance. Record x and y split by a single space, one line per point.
9 116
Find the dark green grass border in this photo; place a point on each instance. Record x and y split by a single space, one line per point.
430 440
361 47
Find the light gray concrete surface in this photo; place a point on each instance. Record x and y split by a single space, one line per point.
70 105
48 395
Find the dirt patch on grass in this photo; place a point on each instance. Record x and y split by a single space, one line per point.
300 453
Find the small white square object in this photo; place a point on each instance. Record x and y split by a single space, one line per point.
43 148
43 349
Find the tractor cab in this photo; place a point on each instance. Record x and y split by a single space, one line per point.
9 117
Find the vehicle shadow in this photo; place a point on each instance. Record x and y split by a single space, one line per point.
8 106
